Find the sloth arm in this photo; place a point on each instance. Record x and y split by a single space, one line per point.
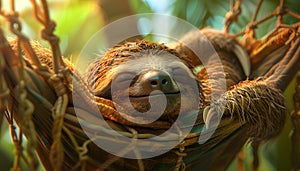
254 109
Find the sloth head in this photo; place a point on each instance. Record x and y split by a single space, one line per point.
148 74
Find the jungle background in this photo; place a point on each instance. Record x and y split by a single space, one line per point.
78 20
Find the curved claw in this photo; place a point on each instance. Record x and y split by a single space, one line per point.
244 59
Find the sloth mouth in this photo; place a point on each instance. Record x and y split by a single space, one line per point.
156 95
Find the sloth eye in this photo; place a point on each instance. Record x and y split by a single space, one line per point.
124 78
182 75
181 72
178 71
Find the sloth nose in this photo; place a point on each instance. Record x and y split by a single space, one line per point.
159 80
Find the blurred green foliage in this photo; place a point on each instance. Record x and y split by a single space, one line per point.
211 13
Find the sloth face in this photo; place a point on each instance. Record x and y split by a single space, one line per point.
146 82
152 85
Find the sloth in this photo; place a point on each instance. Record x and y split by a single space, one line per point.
145 72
